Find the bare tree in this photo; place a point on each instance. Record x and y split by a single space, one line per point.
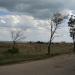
16 35
54 25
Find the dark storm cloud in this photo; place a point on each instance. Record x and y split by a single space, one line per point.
41 9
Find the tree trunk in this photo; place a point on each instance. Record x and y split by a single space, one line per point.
49 48
74 46
74 42
14 44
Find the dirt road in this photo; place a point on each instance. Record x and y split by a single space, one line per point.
59 65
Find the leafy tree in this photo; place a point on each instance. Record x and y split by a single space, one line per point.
54 25
71 24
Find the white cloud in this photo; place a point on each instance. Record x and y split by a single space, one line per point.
22 21
31 25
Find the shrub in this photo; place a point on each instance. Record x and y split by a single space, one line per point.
12 51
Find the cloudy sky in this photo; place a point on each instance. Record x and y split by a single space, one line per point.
32 16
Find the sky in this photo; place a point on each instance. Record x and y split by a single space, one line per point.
32 16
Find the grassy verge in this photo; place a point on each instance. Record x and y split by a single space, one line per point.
11 59
18 58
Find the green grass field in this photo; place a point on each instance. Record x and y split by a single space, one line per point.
32 51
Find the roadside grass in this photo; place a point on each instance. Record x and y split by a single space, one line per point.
30 52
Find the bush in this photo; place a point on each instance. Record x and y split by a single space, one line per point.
13 51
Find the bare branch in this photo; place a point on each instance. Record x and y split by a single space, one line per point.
16 36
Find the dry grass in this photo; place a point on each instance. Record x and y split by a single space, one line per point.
39 48
31 51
